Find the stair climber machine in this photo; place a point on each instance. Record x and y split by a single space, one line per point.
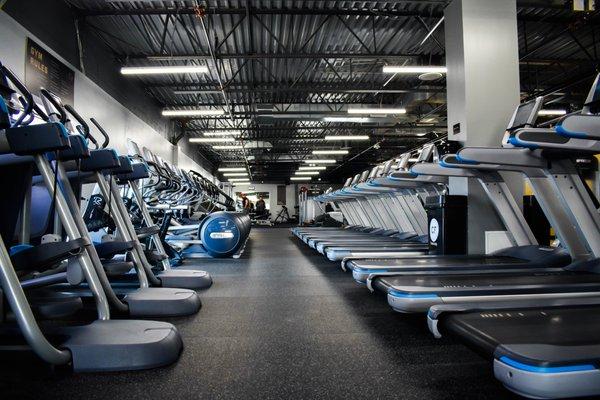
217 234
34 151
124 188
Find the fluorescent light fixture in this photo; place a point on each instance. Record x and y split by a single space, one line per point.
347 137
300 178
232 147
235 174
307 172
314 168
165 69
192 113
323 161
238 180
222 133
385 111
330 152
231 169
414 69
211 140
346 119
552 112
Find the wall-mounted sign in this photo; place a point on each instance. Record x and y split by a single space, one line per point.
456 129
43 70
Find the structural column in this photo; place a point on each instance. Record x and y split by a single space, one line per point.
482 56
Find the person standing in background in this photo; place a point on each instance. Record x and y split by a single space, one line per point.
245 202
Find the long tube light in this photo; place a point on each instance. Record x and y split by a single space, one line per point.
165 69
414 69
211 140
307 172
330 152
191 113
231 169
347 137
232 147
346 119
384 111
322 161
238 180
300 178
235 174
552 112
222 133
315 168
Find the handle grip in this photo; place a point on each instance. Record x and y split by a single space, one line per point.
26 94
56 104
103 132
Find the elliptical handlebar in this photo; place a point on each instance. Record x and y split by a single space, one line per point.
48 97
103 132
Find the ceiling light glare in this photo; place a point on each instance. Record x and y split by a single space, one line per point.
414 69
235 174
222 133
232 147
322 161
166 69
191 113
231 169
347 137
332 152
211 140
384 111
346 119
307 172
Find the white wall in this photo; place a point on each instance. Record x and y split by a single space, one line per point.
91 101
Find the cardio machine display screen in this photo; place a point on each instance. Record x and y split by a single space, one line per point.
523 115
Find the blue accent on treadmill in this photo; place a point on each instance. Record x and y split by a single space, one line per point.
546 370
570 134
516 142
446 165
404 295
465 160
19 248
429 314
371 271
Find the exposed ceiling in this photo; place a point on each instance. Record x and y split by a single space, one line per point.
279 68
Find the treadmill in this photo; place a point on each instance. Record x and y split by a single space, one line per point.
358 222
553 185
541 349
405 189
525 253
409 218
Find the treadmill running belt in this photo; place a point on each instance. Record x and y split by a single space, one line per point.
543 337
439 261
474 284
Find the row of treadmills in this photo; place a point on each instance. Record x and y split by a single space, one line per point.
533 310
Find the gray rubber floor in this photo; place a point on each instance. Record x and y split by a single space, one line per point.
282 322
